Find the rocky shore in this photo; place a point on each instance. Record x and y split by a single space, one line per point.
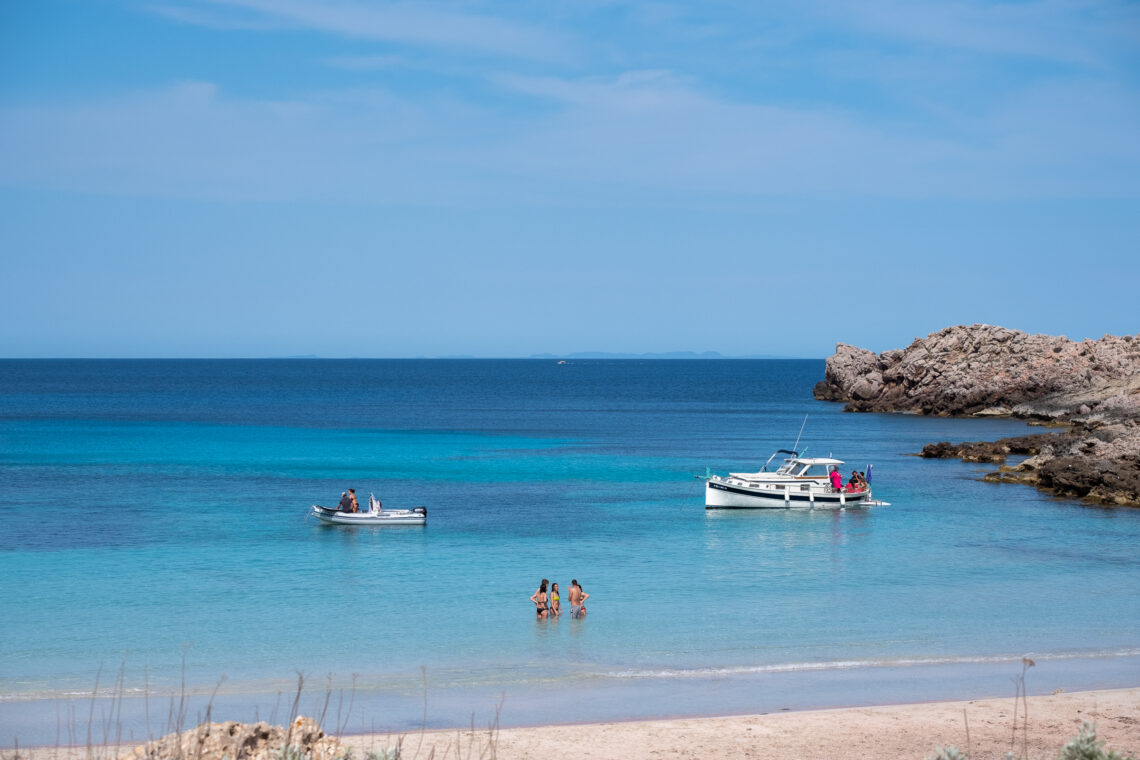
1091 388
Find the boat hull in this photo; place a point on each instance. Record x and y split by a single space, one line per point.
329 516
722 495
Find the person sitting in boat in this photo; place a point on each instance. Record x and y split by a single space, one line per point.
836 479
345 504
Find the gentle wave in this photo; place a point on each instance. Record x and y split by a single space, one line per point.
448 679
794 667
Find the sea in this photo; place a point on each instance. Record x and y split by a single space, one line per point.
158 563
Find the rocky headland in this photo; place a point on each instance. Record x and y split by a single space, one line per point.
1091 388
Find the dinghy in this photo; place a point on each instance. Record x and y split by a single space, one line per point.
374 516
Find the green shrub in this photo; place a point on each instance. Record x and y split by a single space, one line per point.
948 753
1085 746
388 753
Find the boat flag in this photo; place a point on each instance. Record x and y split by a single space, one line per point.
869 473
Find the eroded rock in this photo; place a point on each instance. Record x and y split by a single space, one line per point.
242 741
982 369
1091 387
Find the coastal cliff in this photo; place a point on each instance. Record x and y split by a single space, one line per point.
1092 386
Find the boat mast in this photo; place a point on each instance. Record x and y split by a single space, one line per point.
796 445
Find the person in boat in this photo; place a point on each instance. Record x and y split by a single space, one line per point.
836 479
863 484
345 504
355 505
555 601
540 601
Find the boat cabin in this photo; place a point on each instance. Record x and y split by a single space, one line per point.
817 467
795 467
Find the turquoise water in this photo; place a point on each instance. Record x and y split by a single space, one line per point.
154 513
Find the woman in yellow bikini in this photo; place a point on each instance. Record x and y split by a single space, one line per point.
555 603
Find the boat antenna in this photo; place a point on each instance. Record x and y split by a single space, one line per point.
796 445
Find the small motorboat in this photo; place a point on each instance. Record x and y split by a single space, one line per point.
374 516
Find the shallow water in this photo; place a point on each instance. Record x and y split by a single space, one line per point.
155 509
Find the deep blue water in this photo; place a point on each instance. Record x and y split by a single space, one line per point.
151 509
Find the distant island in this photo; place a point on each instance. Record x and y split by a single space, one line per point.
665 355
575 355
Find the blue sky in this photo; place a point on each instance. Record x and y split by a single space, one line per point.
285 177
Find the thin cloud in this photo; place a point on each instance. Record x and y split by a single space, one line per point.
652 129
368 62
211 18
634 135
409 24
1053 31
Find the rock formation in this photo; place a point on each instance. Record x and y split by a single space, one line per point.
981 370
243 741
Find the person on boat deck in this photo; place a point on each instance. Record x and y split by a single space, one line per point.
345 504
855 484
836 479
352 499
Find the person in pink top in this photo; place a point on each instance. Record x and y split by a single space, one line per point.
836 479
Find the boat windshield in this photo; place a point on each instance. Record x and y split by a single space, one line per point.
786 467
799 469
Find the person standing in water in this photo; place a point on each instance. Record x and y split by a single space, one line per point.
540 600
577 600
555 601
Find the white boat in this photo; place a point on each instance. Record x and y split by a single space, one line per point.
798 483
374 516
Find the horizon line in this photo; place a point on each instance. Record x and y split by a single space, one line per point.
459 357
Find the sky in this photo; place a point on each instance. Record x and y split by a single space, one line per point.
258 178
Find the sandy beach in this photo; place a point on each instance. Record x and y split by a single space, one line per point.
889 732
869 733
